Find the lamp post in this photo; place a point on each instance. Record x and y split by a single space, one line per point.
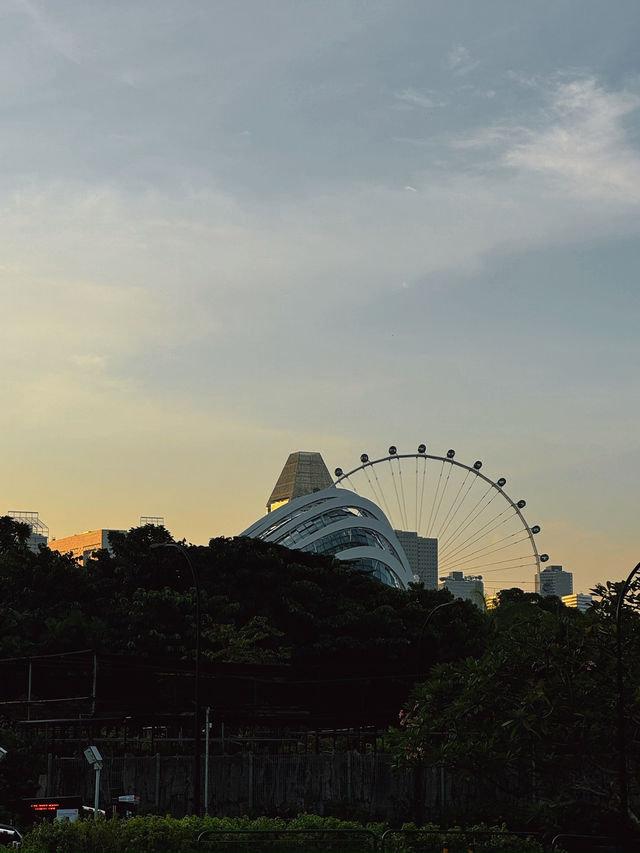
92 754
623 776
418 779
424 625
197 747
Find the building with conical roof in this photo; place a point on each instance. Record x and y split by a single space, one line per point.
304 473
307 512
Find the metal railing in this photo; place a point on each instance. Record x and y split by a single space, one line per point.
288 841
455 840
567 842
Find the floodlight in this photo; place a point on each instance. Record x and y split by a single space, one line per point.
92 755
3 752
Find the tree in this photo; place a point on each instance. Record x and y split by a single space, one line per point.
530 720
18 773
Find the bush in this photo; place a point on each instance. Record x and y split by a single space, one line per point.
152 834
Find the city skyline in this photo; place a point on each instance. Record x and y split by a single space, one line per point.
235 231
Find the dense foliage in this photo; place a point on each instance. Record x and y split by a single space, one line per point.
533 718
317 833
260 603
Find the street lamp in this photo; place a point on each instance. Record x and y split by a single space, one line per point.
418 779
623 777
424 625
197 748
3 752
92 754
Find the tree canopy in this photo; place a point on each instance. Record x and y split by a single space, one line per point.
260 603
533 718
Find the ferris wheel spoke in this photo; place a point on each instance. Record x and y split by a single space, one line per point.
395 489
476 510
435 498
442 494
514 562
423 484
403 506
416 497
481 533
385 505
352 485
455 505
376 490
479 568
488 549
499 568
476 517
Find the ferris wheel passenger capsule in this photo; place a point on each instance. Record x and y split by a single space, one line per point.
450 454
422 448
535 528
521 504
501 482
364 458
393 450
544 558
338 472
477 465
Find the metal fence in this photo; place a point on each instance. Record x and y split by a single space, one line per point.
288 841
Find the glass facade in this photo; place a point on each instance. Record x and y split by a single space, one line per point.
325 519
376 569
339 523
350 537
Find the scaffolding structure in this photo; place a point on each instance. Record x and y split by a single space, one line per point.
155 520
39 531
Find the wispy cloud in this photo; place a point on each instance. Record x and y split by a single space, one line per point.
460 61
577 141
426 99
584 144
59 41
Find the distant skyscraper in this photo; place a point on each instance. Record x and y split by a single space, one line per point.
422 554
39 531
464 586
304 473
554 581
579 600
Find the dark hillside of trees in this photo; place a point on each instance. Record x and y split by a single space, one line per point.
260 603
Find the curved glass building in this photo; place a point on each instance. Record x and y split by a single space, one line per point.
340 523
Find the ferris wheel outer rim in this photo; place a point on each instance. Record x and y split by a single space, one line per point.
370 462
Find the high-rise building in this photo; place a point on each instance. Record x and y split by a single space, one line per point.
82 545
464 586
579 600
554 581
304 473
422 554
39 531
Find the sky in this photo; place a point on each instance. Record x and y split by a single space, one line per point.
233 230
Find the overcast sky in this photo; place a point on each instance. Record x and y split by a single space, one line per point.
231 230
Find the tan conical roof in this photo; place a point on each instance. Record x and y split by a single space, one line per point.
304 472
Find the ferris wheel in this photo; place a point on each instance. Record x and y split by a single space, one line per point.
479 529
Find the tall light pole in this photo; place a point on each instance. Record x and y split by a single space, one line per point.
92 754
623 776
424 625
418 778
197 741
